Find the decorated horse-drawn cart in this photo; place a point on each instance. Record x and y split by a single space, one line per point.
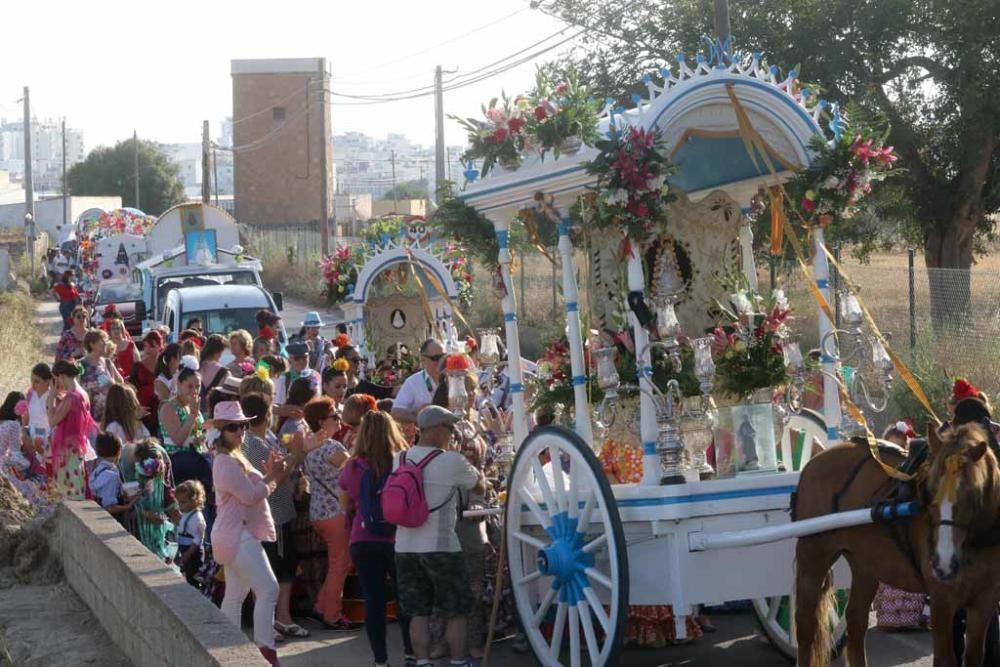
664 200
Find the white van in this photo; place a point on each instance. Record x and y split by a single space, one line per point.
222 309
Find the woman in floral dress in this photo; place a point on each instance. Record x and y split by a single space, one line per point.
649 626
99 372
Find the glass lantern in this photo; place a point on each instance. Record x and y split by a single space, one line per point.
697 434
704 366
458 395
667 324
792 353
850 310
607 372
489 348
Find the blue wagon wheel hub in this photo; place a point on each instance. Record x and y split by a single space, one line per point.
566 550
565 560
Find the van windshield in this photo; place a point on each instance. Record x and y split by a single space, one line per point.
164 285
226 320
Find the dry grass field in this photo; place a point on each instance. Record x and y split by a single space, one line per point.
21 341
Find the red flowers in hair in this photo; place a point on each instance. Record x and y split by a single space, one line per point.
963 389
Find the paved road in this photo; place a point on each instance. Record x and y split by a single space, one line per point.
734 645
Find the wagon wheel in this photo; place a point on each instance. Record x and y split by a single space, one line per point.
566 581
775 615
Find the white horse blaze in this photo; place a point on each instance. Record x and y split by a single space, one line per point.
945 544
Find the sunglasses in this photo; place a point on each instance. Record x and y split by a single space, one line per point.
434 357
236 428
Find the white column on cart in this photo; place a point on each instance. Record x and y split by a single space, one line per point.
831 391
574 332
647 406
746 249
520 425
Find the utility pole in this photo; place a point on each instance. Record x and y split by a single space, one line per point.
722 29
29 185
395 193
215 174
65 185
135 165
324 157
205 179
439 162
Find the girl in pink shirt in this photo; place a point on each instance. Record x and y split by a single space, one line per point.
243 520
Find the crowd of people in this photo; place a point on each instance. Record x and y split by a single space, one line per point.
253 464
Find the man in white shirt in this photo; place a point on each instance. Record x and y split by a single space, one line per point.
432 578
418 389
298 367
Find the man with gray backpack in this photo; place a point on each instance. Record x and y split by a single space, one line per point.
420 496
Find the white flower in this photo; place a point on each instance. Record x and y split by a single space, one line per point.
741 303
619 196
655 183
831 183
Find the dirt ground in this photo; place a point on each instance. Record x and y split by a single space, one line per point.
42 621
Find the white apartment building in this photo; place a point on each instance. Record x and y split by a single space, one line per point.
46 151
365 164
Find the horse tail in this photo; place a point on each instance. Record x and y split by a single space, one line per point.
822 647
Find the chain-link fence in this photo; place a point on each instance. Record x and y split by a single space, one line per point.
943 322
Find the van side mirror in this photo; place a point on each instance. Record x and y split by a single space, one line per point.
279 301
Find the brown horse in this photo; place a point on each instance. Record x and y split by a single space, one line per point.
932 552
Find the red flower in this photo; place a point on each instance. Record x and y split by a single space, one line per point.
541 113
808 205
562 88
515 125
642 210
500 135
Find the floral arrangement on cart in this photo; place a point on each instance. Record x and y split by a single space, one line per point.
340 270
559 116
843 173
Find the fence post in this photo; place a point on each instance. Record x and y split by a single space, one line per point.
913 299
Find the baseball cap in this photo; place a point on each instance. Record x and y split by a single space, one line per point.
435 415
297 349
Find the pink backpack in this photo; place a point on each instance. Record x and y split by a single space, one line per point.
403 499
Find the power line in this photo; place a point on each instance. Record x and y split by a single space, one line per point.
440 44
459 78
465 83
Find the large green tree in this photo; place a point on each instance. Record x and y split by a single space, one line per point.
930 67
111 171
408 190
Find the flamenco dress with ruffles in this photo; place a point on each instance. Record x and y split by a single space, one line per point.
71 447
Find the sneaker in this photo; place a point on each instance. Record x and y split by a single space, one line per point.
409 661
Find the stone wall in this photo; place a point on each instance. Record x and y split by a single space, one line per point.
152 614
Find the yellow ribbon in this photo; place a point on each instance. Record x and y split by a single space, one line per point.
528 220
777 216
948 490
436 284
